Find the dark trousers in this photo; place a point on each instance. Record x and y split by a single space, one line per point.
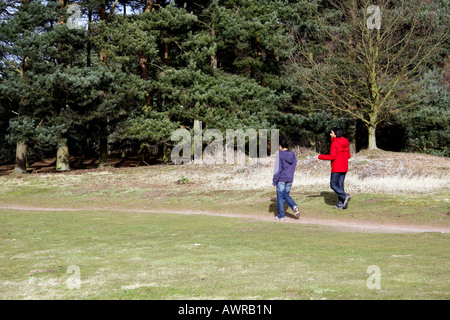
337 184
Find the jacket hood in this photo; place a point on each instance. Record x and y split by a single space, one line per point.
288 156
342 141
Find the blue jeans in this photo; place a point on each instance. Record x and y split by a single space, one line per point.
283 189
337 184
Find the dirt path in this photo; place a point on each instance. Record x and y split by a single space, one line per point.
339 225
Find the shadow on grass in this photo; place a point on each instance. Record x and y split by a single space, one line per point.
330 198
273 209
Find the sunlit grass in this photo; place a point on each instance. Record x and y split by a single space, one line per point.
157 232
123 255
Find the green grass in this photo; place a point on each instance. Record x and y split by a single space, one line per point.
123 255
120 229
432 209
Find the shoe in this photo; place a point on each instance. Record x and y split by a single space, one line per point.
346 201
337 207
280 219
296 213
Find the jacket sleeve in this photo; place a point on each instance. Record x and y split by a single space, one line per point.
277 170
332 155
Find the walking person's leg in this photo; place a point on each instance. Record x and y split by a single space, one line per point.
341 192
337 185
291 203
347 197
281 186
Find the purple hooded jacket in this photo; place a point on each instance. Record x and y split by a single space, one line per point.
285 164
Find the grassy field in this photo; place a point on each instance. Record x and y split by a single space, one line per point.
208 232
124 255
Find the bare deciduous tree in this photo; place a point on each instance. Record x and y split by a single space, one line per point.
367 64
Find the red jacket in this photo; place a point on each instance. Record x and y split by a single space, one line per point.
339 155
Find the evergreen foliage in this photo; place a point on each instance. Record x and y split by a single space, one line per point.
136 70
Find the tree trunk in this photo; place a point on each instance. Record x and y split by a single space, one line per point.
372 138
143 65
62 157
89 44
166 50
149 6
102 12
103 57
103 143
352 137
21 158
214 61
103 17
166 153
103 159
372 126
214 56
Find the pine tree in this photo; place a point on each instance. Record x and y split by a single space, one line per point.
21 43
428 127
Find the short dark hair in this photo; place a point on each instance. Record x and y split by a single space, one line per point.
338 132
284 143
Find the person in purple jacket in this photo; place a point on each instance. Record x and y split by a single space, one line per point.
283 177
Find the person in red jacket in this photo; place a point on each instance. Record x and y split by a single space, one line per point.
339 155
